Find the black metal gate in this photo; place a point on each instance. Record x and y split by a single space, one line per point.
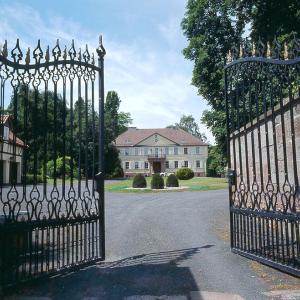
263 119
51 154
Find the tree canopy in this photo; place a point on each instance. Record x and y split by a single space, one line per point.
115 123
212 27
63 137
188 123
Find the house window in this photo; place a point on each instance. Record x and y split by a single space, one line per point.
156 152
175 150
156 138
136 151
185 150
176 164
198 152
167 164
136 165
167 150
126 151
146 165
186 164
145 151
127 165
197 163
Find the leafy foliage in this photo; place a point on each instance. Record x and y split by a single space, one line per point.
212 27
139 181
188 123
39 121
216 162
157 182
266 17
172 181
62 166
115 123
184 173
112 165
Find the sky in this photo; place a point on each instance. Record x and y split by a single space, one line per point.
144 63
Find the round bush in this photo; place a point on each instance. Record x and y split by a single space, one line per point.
172 181
157 182
139 181
184 173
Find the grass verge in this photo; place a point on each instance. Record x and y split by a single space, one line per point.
194 184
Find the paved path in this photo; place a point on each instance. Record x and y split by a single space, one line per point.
168 246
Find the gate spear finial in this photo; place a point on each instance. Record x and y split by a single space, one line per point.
101 50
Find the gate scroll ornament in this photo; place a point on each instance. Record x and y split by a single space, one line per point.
52 156
262 84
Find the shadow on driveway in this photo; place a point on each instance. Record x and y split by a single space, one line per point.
154 274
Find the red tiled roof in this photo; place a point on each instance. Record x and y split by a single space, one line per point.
12 138
134 136
19 142
4 118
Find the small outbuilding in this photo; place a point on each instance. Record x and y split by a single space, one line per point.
11 152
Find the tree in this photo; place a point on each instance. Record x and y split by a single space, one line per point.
212 27
188 123
35 127
111 108
55 131
266 18
216 162
115 123
124 120
83 141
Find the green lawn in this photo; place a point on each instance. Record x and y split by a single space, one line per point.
195 184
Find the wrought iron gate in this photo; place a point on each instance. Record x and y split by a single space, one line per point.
263 120
51 148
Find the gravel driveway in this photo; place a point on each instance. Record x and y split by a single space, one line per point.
166 246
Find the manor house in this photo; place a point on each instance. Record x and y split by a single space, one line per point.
149 151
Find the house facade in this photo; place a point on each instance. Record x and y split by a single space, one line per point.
149 151
11 153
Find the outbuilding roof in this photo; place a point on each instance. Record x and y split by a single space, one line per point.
13 139
134 136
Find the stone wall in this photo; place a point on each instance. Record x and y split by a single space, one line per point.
265 152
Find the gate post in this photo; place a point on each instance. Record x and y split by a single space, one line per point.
228 152
100 178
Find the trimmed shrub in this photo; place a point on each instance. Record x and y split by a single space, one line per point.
157 182
184 173
139 181
172 181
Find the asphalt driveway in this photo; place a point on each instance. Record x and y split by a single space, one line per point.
171 245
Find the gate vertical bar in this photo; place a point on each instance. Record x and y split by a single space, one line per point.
228 154
100 184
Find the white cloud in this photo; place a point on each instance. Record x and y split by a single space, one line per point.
154 85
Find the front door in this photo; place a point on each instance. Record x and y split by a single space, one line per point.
156 166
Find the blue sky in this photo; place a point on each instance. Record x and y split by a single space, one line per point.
144 43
